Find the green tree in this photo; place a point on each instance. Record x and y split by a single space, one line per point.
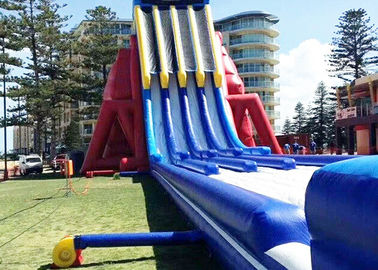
8 42
29 29
42 85
56 86
353 45
299 119
95 51
320 114
309 126
287 127
331 116
72 138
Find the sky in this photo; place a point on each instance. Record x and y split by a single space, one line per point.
306 29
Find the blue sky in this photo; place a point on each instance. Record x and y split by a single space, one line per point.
299 19
306 28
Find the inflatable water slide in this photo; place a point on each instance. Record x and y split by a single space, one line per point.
175 107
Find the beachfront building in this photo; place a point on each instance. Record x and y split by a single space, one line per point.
250 38
120 28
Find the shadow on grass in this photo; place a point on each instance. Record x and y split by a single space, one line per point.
39 201
163 215
48 266
36 176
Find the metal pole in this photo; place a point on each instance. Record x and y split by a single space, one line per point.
27 136
19 127
5 118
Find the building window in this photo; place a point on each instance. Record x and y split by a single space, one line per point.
125 29
88 129
126 43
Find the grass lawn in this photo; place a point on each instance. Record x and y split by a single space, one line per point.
35 215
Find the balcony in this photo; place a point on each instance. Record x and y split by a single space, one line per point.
260 70
114 30
255 54
263 42
261 84
357 111
272 114
266 56
263 27
270 100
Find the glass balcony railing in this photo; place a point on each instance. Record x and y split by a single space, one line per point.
257 69
258 54
270 99
273 114
247 23
252 39
261 84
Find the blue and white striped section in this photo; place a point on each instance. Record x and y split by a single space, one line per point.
261 231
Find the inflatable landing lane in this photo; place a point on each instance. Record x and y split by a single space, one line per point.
252 208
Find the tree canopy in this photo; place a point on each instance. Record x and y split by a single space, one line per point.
354 45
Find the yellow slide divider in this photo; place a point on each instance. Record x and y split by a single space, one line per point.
182 77
200 73
164 75
146 76
218 74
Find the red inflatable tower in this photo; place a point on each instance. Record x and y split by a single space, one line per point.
118 141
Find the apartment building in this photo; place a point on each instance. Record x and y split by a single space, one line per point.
120 28
23 139
250 38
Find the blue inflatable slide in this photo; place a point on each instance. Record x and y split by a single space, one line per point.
253 209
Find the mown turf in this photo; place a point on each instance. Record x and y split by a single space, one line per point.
35 215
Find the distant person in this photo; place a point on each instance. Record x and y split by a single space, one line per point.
332 147
295 148
287 148
313 147
302 150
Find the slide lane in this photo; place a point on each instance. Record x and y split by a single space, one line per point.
203 152
178 157
216 132
285 185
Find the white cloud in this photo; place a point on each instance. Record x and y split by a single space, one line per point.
301 71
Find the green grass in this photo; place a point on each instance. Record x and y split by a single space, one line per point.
35 215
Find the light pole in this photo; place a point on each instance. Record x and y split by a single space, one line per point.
5 117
